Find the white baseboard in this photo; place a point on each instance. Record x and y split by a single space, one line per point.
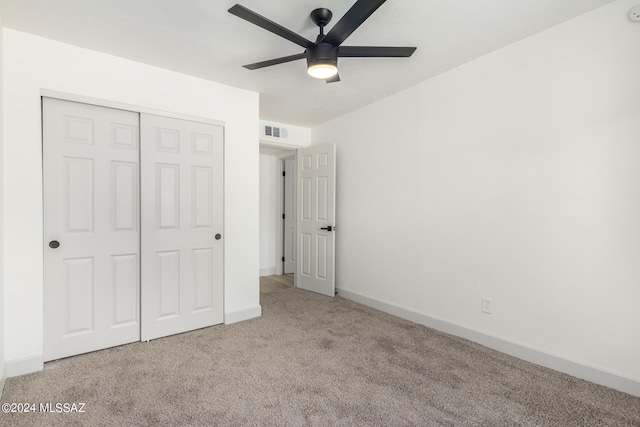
25 365
241 315
270 271
3 376
576 368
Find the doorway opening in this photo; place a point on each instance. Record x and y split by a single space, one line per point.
314 186
277 218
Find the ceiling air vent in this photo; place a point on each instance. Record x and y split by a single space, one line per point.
275 132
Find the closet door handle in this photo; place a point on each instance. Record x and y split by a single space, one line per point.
218 236
54 244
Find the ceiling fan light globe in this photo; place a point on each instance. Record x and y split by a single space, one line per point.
322 71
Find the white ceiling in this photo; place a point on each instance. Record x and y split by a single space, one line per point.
200 38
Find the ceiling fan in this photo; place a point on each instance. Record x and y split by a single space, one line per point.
322 55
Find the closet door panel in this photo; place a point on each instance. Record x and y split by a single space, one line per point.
182 225
91 228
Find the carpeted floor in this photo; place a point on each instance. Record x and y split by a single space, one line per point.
313 360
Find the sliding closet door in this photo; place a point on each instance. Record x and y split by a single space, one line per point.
91 228
182 225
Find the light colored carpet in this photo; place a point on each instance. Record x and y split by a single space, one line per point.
313 360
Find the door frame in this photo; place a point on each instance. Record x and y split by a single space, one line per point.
64 96
282 202
289 151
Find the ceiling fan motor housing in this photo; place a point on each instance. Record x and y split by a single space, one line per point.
322 53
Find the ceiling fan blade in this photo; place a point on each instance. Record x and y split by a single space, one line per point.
375 51
333 79
351 20
275 61
267 24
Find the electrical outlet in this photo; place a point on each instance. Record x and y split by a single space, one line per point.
634 14
487 305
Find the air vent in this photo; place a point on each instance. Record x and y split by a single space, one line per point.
275 132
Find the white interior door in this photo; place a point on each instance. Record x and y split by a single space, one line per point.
182 211
290 219
91 228
316 218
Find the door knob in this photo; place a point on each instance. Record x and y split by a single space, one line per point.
218 236
54 244
328 228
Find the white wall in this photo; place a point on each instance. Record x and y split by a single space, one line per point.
2 355
269 213
298 136
33 63
513 177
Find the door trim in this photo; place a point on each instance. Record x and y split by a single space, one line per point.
64 96
282 202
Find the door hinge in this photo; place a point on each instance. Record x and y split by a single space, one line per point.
282 216
284 173
282 259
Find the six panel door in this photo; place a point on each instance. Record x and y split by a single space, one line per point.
316 218
91 228
182 242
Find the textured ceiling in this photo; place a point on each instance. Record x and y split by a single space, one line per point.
200 38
